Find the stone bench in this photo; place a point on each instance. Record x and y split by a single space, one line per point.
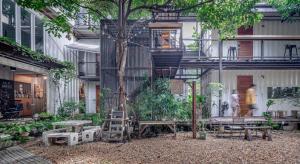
90 133
71 137
45 133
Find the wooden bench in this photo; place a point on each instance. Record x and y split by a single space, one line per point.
266 132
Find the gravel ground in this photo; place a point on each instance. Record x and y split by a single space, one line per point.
285 148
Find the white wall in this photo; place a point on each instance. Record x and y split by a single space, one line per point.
263 79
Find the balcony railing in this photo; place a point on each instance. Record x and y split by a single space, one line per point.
248 48
88 69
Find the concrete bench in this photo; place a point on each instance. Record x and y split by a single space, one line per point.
89 134
71 137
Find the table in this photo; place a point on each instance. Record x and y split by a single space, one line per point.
77 125
144 124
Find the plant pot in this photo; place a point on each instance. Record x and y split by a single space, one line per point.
202 135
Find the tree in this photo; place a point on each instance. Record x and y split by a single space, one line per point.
120 11
287 8
228 15
62 76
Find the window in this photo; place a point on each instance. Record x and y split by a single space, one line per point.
8 19
39 37
166 39
25 28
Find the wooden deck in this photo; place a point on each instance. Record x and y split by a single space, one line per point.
18 155
144 124
249 120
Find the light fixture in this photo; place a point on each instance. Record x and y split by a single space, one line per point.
45 77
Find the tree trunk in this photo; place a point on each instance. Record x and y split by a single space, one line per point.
121 55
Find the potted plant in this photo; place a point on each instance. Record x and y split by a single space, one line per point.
202 132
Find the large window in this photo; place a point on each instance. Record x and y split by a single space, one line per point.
8 19
39 37
25 28
165 38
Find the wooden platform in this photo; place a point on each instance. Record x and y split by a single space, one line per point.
144 124
18 155
249 120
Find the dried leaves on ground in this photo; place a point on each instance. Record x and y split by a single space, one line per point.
285 148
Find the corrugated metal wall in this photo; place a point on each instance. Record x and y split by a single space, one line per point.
263 79
138 65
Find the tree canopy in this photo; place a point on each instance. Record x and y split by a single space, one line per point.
287 8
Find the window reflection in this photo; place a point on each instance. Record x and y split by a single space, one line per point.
39 37
25 28
8 19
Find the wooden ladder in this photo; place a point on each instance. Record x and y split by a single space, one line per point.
115 131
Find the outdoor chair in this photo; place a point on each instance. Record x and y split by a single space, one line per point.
232 53
289 48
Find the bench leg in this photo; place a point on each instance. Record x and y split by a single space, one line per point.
248 135
269 135
73 140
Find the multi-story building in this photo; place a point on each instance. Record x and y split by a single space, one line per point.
266 55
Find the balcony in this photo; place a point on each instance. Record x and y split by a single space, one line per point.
86 27
248 52
88 71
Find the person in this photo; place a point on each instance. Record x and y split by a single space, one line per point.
235 103
251 99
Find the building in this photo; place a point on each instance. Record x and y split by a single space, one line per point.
23 78
266 54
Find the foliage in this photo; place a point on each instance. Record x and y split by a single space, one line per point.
82 107
62 76
228 15
45 115
96 118
28 52
268 117
287 8
270 102
158 103
68 109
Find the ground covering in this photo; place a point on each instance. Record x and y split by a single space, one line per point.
284 148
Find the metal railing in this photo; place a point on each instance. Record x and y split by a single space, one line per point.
246 50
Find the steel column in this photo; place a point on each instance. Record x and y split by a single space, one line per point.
194 109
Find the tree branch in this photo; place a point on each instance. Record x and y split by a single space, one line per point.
194 6
147 7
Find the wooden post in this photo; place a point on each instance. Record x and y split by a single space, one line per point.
194 109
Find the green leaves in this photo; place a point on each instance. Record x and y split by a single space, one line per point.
228 15
25 51
287 8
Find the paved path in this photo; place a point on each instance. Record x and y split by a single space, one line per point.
18 155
